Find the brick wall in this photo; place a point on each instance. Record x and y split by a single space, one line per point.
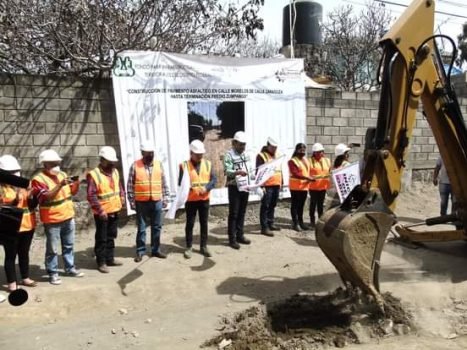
72 116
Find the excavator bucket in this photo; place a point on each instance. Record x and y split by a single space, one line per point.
352 237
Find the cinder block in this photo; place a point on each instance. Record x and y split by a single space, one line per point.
330 130
355 122
46 140
324 139
371 104
347 95
310 121
340 121
339 139
427 132
363 96
15 91
362 113
427 148
107 128
73 140
310 92
369 122
17 140
360 131
314 111
332 112
348 131
324 121
45 91
7 102
30 128
348 113
84 128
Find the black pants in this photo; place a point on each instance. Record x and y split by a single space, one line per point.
18 246
106 232
191 208
268 205
316 201
298 203
238 201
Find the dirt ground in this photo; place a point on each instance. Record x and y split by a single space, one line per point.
180 304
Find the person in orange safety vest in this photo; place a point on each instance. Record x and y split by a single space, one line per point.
19 243
320 168
54 191
202 181
106 197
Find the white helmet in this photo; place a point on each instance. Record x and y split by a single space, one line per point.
317 147
197 147
9 163
108 153
147 146
49 155
340 149
272 142
240 136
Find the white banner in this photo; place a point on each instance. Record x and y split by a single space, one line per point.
174 98
345 179
181 196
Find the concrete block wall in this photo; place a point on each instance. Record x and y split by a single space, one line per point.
343 117
72 116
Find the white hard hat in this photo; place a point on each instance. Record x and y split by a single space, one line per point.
317 147
197 147
272 142
49 155
108 153
240 136
9 163
147 146
340 149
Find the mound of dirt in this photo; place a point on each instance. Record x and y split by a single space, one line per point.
312 322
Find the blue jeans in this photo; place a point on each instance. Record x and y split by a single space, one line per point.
268 205
65 232
148 211
445 192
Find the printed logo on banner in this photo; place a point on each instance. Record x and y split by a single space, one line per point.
346 179
124 67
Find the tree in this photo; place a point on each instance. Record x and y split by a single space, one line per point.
462 45
351 45
252 47
85 36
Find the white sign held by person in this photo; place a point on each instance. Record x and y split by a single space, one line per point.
181 196
263 173
346 179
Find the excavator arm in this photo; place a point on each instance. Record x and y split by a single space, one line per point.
352 236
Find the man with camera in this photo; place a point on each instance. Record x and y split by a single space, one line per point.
54 191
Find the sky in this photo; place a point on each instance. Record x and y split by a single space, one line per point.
448 25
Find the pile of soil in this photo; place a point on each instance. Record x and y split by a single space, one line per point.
312 322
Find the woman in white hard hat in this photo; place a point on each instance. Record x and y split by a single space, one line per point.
20 243
320 168
342 156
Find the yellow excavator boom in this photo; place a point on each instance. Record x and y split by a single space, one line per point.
352 236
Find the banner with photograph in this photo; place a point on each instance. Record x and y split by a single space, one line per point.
346 179
173 99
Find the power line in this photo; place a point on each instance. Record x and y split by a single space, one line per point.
453 3
439 12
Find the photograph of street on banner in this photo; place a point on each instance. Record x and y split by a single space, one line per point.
215 123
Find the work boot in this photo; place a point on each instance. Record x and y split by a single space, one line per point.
295 227
273 227
187 253
243 240
138 258
267 232
205 251
103 268
114 262
234 245
159 255
304 226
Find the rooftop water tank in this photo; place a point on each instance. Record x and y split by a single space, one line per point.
307 23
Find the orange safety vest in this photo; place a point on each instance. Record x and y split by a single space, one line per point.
320 169
198 180
276 178
300 184
108 192
147 189
59 208
28 222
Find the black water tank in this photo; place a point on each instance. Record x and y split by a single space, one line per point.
307 24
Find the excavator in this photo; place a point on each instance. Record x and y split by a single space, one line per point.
352 235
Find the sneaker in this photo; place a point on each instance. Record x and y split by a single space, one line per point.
74 273
55 280
267 232
187 253
103 268
114 262
234 245
138 258
243 240
159 255
205 251
273 227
